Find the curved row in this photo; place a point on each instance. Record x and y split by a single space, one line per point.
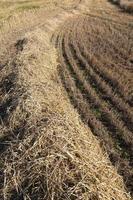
98 92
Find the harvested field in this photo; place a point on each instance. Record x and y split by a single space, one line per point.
49 152
96 70
66 112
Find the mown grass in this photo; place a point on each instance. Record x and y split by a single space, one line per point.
46 151
100 108
9 8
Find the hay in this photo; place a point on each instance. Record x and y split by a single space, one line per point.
56 157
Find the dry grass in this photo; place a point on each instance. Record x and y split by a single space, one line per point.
46 150
52 155
9 8
90 76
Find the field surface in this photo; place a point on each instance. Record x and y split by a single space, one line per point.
66 100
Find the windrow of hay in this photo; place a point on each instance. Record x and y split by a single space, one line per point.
51 154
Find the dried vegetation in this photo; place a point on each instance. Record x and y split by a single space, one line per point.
46 151
97 75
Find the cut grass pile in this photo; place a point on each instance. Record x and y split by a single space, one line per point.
48 152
